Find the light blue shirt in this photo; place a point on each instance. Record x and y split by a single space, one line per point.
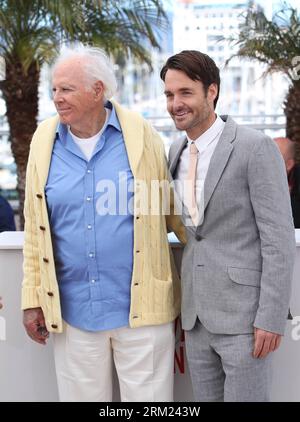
93 249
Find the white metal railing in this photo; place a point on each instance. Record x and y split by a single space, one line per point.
273 125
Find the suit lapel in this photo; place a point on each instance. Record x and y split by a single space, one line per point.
174 161
219 159
215 170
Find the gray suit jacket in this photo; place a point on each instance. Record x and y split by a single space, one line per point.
237 266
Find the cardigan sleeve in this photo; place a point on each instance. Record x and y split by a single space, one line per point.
31 268
173 220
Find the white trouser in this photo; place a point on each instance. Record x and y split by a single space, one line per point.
143 357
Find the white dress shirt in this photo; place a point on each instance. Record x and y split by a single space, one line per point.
206 144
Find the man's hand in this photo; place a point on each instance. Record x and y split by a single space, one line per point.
34 323
265 342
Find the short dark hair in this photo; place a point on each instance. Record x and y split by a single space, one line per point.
197 66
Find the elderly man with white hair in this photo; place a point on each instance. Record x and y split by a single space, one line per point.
97 268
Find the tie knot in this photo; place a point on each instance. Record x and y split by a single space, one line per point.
193 148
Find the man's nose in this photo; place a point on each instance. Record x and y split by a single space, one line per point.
177 102
57 97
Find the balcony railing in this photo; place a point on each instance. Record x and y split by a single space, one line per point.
272 125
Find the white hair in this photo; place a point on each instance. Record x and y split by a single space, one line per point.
97 65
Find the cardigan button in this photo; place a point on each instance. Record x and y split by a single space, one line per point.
199 237
46 260
43 228
54 326
135 316
50 294
38 195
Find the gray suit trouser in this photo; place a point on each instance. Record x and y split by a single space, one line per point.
222 367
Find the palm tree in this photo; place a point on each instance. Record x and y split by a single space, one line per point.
31 32
276 43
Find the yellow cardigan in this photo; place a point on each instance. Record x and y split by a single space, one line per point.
155 289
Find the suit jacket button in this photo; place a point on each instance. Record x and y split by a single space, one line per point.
199 237
54 326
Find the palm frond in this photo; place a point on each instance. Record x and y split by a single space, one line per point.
272 42
32 30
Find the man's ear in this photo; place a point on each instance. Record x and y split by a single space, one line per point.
98 90
290 165
212 92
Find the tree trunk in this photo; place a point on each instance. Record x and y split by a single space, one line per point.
20 92
292 112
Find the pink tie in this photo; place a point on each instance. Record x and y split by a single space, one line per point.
191 178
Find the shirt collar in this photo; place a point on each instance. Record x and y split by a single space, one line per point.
62 129
113 118
209 135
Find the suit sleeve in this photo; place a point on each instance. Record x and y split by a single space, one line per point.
7 222
270 199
